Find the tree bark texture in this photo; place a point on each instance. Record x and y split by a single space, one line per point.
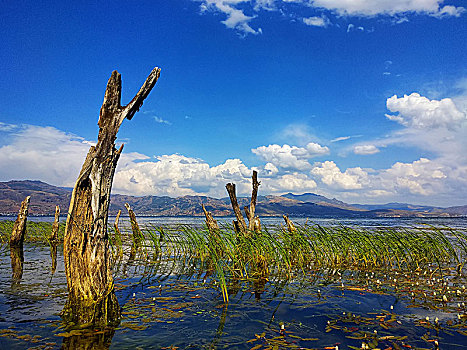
254 195
290 226
19 228
55 226
254 224
117 230
137 234
236 208
210 222
86 246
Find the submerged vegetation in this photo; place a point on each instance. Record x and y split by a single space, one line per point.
175 273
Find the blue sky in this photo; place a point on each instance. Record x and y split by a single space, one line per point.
362 100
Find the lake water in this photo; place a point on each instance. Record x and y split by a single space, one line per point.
163 308
460 222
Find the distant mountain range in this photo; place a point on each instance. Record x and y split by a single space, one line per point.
44 197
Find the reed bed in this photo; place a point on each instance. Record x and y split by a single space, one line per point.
35 231
278 254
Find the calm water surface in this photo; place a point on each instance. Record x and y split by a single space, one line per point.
162 308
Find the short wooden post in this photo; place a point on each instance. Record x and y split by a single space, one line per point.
19 228
210 222
55 225
117 218
137 234
290 226
236 208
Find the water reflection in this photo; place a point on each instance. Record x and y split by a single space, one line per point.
91 339
17 260
53 256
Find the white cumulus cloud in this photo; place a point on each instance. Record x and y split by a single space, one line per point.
386 7
420 112
365 149
291 157
322 21
331 175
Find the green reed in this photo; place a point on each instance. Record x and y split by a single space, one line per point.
274 252
35 231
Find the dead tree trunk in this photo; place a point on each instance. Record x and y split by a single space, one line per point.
290 226
117 230
137 235
86 245
19 228
55 226
236 208
254 224
210 222
254 195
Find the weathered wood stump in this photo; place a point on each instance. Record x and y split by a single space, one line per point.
117 218
19 228
91 298
55 226
254 224
210 222
137 234
290 226
239 224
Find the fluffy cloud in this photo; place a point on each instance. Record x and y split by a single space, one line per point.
43 153
420 112
56 157
331 175
387 7
290 157
322 21
421 177
236 18
235 10
365 149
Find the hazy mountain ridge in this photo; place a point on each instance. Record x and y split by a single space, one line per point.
44 197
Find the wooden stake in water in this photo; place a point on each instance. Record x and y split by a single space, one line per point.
19 228
55 226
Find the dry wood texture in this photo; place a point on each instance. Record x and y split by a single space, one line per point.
254 224
241 225
254 195
290 226
210 222
117 230
86 246
55 225
19 228
137 235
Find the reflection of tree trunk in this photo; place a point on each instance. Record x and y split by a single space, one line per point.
259 287
53 256
89 340
55 225
17 259
91 297
19 228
